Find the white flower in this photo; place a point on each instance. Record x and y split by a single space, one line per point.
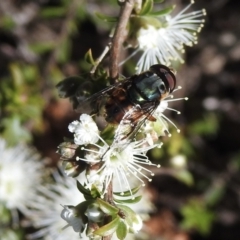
94 213
161 118
164 44
47 207
85 131
121 162
20 172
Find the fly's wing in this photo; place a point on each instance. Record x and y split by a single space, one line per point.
79 90
76 88
94 103
132 121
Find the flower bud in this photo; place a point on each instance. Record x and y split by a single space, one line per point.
94 213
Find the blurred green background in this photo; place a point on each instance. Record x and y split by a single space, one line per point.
197 190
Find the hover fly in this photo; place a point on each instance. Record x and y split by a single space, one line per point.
128 103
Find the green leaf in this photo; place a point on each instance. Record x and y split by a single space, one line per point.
122 230
29 73
128 193
13 131
162 12
131 218
129 200
206 126
64 50
235 162
94 192
17 75
215 192
5 215
7 23
197 216
41 47
185 177
106 18
109 228
108 133
10 234
82 189
107 208
89 58
147 7
53 12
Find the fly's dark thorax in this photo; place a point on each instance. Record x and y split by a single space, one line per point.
145 89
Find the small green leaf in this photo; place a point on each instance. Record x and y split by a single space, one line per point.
128 193
131 218
106 18
215 193
41 47
197 216
109 228
82 189
147 7
10 234
129 200
206 126
13 131
63 51
89 58
29 73
94 192
162 12
122 230
108 133
7 23
53 12
185 177
17 75
107 208
5 215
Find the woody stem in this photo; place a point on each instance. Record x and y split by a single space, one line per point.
118 37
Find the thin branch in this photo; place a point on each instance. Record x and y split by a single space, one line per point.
117 41
118 37
100 58
108 197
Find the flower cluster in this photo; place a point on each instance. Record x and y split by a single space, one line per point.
110 161
164 42
118 159
44 214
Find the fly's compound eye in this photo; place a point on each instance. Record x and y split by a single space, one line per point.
166 75
171 80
